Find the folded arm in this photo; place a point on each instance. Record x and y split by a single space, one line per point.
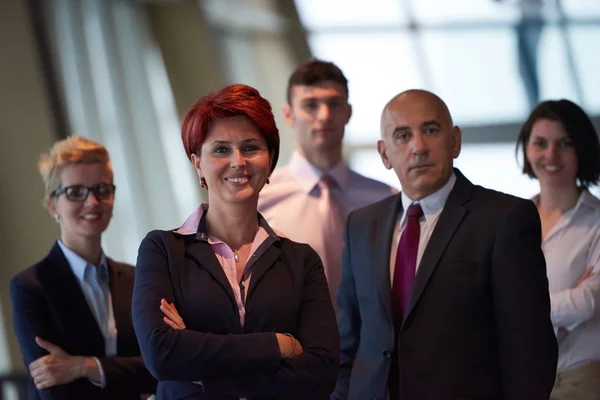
313 373
573 306
186 355
127 372
31 317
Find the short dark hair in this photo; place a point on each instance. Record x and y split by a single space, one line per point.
580 129
313 72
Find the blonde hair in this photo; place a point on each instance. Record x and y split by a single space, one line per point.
69 151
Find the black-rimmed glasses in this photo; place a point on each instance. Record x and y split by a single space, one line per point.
103 191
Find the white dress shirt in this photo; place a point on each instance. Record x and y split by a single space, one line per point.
432 207
290 203
571 248
100 305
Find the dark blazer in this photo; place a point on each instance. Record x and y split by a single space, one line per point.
48 302
477 325
287 293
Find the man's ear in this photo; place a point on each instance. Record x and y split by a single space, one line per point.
382 150
456 141
288 114
349 113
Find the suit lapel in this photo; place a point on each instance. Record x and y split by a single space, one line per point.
68 301
202 252
450 219
264 263
120 292
384 226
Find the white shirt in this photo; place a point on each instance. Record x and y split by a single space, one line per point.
108 327
432 206
290 203
571 247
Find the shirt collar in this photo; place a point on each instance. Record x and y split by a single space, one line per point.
308 175
589 200
586 199
78 264
435 201
195 224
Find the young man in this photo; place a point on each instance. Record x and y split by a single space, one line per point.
309 199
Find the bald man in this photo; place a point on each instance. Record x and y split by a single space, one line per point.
443 293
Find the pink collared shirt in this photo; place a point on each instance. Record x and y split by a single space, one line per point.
291 202
225 255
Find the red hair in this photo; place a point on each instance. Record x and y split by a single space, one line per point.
230 101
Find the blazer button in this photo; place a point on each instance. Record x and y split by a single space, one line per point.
387 354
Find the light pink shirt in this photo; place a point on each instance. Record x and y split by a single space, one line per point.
224 254
290 203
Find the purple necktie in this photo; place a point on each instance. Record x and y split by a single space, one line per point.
404 276
406 262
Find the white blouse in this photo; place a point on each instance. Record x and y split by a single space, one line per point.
571 248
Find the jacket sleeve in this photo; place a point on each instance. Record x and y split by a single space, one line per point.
527 348
312 374
186 355
31 318
349 321
127 372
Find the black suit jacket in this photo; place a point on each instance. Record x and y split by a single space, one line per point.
477 325
48 302
287 293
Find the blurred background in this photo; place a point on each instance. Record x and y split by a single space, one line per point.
124 72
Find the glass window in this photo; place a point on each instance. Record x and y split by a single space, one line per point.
476 73
327 14
369 164
581 8
493 166
378 66
436 11
555 75
586 59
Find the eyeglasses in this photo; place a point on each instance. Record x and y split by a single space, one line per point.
103 191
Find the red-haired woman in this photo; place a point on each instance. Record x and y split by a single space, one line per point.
224 307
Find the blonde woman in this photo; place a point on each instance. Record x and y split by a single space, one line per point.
72 309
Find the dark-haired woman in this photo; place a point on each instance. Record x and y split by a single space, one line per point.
561 150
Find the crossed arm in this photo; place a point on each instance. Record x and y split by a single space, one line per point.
240 365
58 374
574 306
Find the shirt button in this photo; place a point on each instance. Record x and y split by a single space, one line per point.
387 354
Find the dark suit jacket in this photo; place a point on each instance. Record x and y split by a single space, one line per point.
477 325
48 302
287 293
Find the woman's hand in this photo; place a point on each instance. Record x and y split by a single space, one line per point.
59 367
172 317
289 346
